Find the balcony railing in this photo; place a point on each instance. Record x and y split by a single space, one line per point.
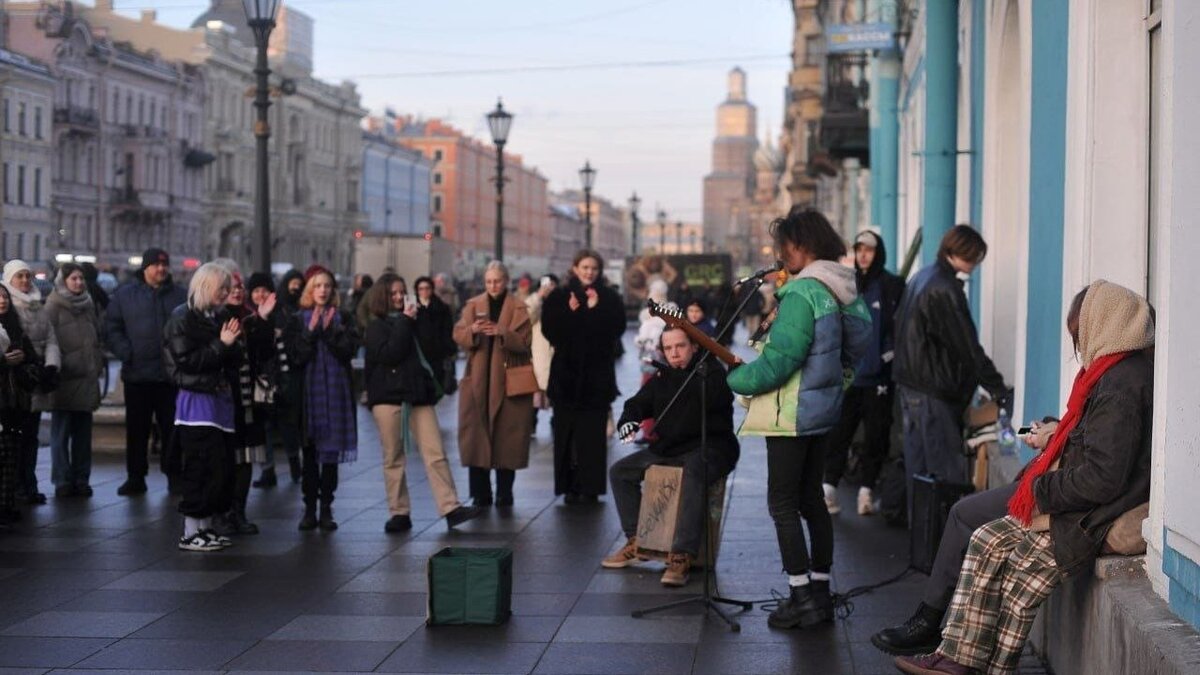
78 118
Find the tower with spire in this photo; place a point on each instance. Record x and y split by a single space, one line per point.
729 187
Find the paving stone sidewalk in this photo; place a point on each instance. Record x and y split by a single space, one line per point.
98 586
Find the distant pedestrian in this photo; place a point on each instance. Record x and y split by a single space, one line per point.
27 301
583 321
134 326
869 401
540 348
330 431
650 330
285 423
99 296
19 375
699 318
402 390
939 361
72 314
202 349
493 427
291 286
435 330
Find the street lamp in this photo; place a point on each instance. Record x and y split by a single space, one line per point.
679 237
661 219
587 176
499 122
634 203
260 16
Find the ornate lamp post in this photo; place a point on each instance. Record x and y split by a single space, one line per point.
260 15
587 177
634 203
679 236
661 219
499 122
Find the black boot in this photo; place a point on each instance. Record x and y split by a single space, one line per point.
309 520
326 520
921 634
801 609
267 478
294 467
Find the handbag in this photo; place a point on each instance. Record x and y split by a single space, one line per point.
519 379
264 390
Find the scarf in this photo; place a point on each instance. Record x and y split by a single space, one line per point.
1022 503
31 299
328 403
77 302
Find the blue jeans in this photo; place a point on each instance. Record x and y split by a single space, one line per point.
70 447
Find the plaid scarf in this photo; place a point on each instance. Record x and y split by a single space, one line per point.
329 405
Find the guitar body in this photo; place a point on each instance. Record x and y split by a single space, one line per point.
675 318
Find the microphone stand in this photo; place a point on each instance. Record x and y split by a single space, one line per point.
711 595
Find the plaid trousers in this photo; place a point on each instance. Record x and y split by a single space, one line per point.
1007 574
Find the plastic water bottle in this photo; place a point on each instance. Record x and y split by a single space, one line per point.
1007 437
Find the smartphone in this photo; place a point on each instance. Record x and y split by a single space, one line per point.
481 316
410 300
1024 431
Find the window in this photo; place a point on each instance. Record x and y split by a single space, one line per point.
437 203
116 108
37 122
37 247
437 178
814 50
7 124
20 244
153 110
7 196
21 185
128 108
21 118
37 186
437 155
141 110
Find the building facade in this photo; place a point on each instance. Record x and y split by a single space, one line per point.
610 237
463 198
1066 134
729 187
567 233
126 124
396 186
26 152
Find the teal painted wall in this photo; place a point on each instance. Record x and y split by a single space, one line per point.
1047 175
941 123
1184 592
885 157
978 73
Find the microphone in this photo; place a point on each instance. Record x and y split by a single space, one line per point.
761 273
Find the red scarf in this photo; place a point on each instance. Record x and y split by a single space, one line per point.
1023 502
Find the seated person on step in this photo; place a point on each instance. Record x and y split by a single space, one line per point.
674 441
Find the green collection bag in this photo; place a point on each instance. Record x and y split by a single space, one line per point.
470 586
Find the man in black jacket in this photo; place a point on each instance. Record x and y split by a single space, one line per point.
134 331
674 441
939 361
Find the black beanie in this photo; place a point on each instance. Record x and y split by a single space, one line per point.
260 280
154 255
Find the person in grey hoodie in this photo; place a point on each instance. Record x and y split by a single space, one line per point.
27 301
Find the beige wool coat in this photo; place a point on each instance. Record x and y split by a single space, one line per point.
493 429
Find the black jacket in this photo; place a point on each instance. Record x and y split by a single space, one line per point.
134 324
435 334
937 350
582 376
679 431
194 356
882 291
393 372
1105 469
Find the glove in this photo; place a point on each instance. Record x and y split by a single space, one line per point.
627 432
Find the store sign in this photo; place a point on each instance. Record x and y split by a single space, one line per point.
859 37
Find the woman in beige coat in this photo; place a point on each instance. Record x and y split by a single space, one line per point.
543 353
493 428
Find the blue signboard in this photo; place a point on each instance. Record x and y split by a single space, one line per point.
859 37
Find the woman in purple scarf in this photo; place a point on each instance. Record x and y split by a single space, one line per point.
328 343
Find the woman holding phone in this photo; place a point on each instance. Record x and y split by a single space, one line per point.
493 427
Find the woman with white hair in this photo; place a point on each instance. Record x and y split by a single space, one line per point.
27 300
493 426
201 351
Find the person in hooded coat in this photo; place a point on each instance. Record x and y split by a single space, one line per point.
287 410
72 314
869 400
797 386
19 370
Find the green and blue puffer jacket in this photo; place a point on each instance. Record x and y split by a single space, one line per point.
821 331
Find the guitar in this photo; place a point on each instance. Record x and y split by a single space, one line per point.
676 319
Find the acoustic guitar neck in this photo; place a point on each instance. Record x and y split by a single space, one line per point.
676 319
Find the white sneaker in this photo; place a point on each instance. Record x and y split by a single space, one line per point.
866 502
219 539
831 503
198 542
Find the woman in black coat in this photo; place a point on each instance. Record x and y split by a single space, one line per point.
583 320
20 370
435 329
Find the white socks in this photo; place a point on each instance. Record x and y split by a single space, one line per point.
191 526
798 580
819 576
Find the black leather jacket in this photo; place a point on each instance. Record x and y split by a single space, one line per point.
392 369
1105 469
193 353
937 349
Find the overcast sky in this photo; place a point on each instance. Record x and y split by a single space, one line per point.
645 125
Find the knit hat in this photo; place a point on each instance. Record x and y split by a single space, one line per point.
260 280
13 266
154 256
315 269
1113 319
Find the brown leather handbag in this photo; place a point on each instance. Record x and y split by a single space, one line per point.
519 379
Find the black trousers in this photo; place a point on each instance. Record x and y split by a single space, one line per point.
27 458
144 401
580 451
206 471
11 447
318 481
967 515
480 482
795 467
872 406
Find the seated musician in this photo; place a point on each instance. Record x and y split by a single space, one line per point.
674 441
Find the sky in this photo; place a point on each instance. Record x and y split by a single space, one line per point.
631 85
